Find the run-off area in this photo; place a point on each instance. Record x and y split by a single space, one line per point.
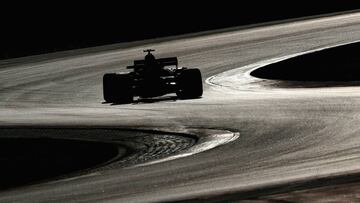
35 155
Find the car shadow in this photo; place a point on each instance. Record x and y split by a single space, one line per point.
148 100
152 100
155 100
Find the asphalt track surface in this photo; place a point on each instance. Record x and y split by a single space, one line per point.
286 134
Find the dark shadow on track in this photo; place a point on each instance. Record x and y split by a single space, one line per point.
153 100
259 194
27 161
156 99
148 100
337 66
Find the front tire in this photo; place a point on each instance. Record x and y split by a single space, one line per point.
117 88
190 84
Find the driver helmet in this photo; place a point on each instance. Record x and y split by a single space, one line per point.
150 59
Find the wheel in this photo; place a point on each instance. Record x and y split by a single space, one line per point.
117 88
189 84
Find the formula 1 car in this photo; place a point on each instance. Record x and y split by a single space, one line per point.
152 78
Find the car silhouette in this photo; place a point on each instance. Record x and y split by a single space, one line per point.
152 77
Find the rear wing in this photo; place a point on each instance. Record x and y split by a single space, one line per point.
171 61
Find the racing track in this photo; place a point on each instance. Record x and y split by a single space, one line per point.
286 134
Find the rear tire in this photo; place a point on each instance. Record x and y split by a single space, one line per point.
189 84
117 88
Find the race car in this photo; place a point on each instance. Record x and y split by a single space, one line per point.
152 77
